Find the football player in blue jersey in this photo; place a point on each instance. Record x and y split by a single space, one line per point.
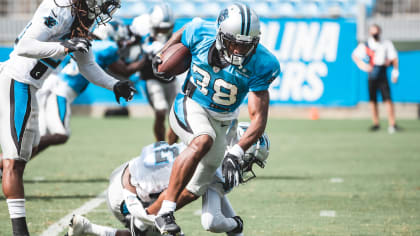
228 63
68 84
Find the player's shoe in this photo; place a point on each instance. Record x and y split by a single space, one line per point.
240 227
78 225
166 225
394 128
374 128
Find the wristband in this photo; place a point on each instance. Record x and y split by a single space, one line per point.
236 150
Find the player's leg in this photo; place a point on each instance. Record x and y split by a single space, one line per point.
171 90
57 119
213 218
19 133
191 123
373 103
156 95
386 96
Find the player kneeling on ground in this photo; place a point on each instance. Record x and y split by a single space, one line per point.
138 183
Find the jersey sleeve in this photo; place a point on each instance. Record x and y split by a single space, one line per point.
268 72
391 52
107 55
33 41
190 37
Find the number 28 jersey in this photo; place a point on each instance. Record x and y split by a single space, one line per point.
221 91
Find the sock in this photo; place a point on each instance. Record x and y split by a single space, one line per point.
101 230
18 216
19 227
167 206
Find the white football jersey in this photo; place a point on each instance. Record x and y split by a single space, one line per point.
50 23
150 171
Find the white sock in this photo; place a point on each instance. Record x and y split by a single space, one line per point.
101 230
16 208
167 206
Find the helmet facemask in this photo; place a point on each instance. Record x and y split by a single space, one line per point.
236 50
101 10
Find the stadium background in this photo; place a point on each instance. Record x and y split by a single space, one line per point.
313 40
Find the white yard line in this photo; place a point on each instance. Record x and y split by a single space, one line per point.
59 226
327 213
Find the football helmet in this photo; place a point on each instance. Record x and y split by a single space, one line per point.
102 10
114 30
257 153
238 33
161 22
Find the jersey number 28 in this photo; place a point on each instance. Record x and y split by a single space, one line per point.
224 92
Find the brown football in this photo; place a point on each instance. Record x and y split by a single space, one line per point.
175 60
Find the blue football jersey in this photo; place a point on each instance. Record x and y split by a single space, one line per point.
105 52
223 90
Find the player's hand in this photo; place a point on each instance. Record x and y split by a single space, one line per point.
394 75
124 89
161 76
231 171
77 44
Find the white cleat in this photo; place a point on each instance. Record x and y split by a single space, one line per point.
78 225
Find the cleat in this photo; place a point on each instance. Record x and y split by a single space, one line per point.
78 225
240 226
167 226
394 128
374 128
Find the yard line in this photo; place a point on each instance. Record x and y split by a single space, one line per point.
57 227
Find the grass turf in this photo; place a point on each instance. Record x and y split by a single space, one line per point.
379 195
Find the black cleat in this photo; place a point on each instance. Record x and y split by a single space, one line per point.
166 224
374 128
240 226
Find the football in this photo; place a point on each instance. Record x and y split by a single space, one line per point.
175 60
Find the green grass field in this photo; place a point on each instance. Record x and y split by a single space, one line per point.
379 193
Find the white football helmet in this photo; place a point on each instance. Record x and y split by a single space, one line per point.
114 30
238 33
161 22
257 153
102 10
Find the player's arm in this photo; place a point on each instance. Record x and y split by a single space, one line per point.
121 68
393 55
175 38
92 72
32 43
134 206
258 103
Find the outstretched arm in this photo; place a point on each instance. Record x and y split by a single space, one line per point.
92 72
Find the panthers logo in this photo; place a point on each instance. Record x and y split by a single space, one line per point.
50 21
223 15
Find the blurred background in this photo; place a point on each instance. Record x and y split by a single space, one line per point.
313 40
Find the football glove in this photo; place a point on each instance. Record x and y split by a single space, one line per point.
161 76
231 171
124 89
77 44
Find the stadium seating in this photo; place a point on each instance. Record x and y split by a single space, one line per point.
266 8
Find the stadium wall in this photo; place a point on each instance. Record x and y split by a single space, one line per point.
317 70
